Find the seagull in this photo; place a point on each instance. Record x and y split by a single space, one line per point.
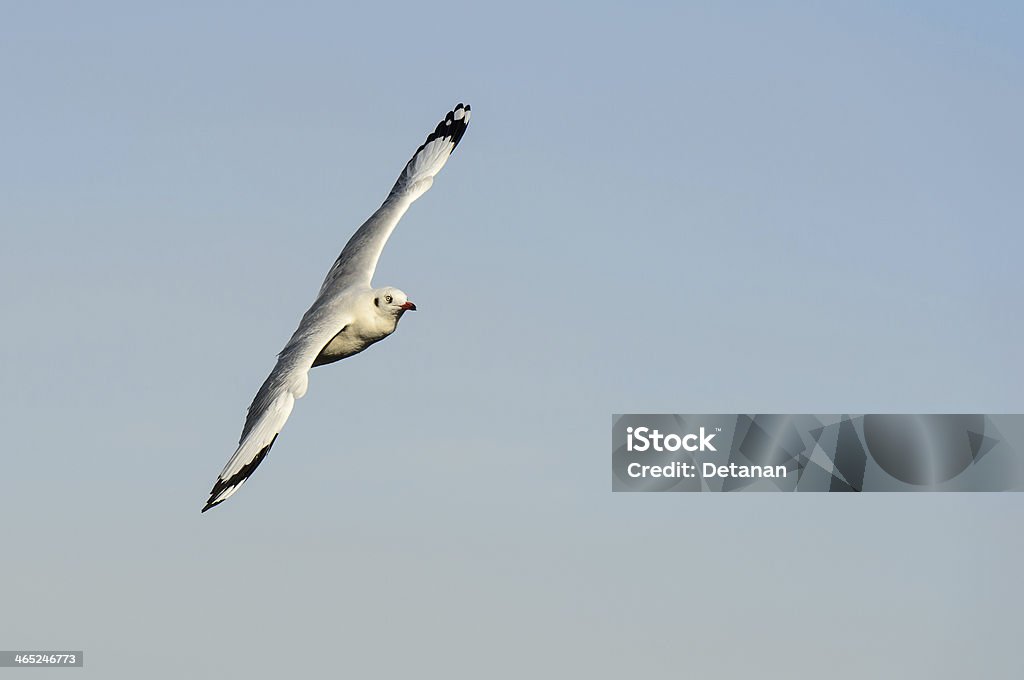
348 314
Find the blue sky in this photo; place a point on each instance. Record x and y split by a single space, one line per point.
727 207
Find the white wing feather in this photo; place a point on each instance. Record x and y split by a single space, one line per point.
358 261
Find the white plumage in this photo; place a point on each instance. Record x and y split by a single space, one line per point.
347 316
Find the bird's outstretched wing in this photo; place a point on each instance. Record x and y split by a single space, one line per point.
357 262
274 401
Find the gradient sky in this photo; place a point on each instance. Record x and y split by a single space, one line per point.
708 207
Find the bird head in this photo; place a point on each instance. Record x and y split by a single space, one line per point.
392 301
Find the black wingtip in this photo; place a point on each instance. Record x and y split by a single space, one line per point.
459 125
450 126
238 478
211 503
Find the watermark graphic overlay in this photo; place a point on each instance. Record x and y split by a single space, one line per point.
40 659
798 452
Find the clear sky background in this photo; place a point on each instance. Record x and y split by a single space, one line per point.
713 207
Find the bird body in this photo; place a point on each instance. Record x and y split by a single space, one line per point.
347 316
371 322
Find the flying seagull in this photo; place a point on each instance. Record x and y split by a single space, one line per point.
348 314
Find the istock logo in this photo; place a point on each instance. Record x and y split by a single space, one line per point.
647 439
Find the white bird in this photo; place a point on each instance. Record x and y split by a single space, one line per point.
348 314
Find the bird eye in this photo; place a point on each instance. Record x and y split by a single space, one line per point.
387 299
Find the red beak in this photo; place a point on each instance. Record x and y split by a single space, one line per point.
408 306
